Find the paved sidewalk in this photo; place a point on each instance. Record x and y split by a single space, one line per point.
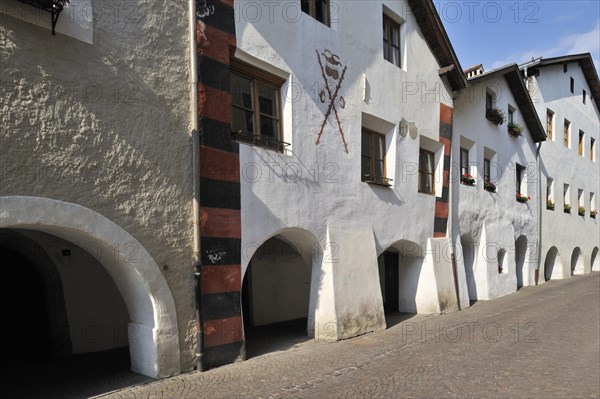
541 342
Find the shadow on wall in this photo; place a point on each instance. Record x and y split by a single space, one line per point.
520 259
553 264
595 261
469 248
577 263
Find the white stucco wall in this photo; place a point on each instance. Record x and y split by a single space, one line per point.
106 125
493 221
564 165
318 187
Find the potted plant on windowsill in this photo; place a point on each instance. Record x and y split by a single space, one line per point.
495 115
581 211
593 214
489 186
467 179
567 208
550 205
514 129
523 198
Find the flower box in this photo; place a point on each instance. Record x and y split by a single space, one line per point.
467 179
593 214
495 115
489 186
567 208
581 211
523 198
550 205
514 129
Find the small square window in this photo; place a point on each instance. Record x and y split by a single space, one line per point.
572 86
511 114
391 40
519 176
549 123
318 9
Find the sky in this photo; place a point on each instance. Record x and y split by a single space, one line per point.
496 33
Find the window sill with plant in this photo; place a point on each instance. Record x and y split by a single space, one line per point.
467 179
550 205
495 115
489 186
514 129
567 208
523 198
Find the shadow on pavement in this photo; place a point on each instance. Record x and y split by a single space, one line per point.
72 377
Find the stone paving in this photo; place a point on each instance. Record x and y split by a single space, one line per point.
541 342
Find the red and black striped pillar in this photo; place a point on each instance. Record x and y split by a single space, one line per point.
440 226
220 223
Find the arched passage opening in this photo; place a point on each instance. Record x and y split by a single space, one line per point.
577 263
399 272
70 317
277 292
594 261
520 259
151 327
552 265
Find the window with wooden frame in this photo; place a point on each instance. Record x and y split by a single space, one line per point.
487 170
426 171
391 40
581 140
567 130
318 9
373 157
549 123
256 106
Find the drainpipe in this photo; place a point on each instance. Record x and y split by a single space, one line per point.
540 208
197 260
451 205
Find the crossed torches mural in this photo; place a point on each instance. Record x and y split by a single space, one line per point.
332 76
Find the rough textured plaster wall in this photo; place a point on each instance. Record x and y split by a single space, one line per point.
106 126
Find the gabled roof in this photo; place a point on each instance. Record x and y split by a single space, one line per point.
585 62
514 79
433 30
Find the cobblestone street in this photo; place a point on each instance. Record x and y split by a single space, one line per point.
538 343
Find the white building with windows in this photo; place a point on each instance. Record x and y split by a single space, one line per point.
343 191
566 94
496 199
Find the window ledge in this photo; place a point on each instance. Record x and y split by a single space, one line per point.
257 141
382 181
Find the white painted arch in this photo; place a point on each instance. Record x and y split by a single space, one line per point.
153 332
